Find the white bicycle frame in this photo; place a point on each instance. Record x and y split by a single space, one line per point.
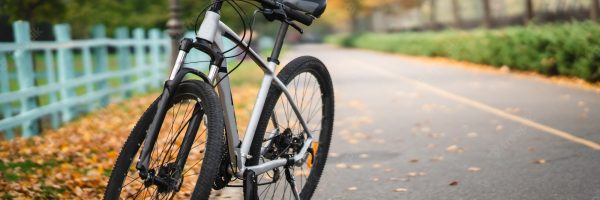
213 31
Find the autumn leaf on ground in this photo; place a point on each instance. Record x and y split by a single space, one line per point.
454 149
341 166
75 161
453 183
473 169
540 161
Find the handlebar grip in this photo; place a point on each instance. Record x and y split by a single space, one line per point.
291 13
298 16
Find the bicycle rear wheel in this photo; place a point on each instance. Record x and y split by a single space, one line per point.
193 99
280 135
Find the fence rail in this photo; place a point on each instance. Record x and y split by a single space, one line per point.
48 83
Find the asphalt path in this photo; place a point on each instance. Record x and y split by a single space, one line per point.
409 129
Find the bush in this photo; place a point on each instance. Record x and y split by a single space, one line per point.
554 49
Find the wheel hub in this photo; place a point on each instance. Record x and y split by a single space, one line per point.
167 179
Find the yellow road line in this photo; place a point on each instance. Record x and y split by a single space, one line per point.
483 107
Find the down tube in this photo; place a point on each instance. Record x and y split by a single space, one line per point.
226 99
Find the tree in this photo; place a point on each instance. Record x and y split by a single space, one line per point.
32 10
528 11
487 14
432 14
83 14
594 10
456 13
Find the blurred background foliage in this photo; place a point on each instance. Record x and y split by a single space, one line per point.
84 14
548 36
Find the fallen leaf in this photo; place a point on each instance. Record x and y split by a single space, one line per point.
356 166
499 127
473 169
341 166
437 158
540 161
352 141
454 149
453 183
472 134
413 161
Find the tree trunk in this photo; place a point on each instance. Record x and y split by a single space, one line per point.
487 14
354 8
175 27
456 13
594 10
528 11
432 15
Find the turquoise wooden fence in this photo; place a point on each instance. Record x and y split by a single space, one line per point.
47 83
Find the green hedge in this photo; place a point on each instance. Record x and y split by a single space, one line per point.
556 49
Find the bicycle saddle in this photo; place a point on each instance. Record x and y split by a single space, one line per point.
312 7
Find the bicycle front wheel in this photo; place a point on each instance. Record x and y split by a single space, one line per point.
279 133
192 100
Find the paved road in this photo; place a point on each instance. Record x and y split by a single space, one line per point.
432 131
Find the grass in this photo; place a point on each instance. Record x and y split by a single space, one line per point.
24 166
571 49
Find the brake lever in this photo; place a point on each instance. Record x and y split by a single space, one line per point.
270 12
295 26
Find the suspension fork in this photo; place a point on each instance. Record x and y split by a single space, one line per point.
177 75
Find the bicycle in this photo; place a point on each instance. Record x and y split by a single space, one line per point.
288 135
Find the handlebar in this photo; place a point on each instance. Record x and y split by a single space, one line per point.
289 12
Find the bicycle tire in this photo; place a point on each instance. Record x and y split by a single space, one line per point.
213 148
299 66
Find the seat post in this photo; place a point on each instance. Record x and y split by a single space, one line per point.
279 42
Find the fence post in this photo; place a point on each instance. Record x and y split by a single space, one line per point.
25 74
51 78
123 56
65 69
140 63
154 36
101 61
87 73
5 88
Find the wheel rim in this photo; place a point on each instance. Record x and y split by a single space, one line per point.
164 154
306 92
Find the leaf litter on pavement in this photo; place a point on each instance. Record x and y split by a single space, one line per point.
76 160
